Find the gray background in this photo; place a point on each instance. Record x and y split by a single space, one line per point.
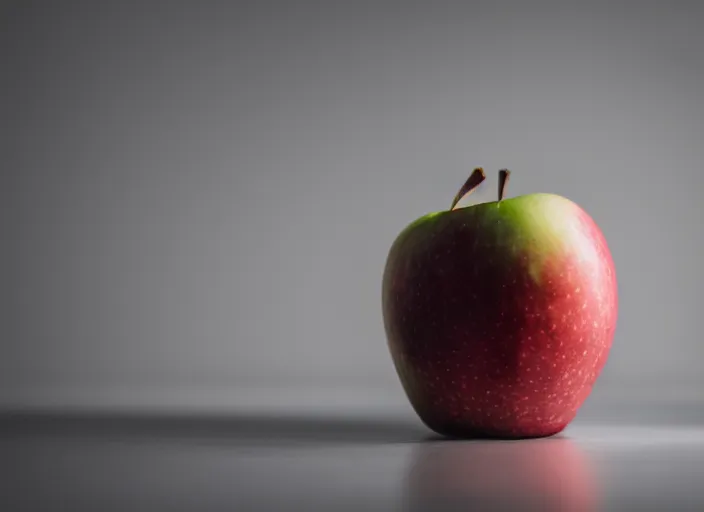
197 202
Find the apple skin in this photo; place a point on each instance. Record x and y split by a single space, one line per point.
500 316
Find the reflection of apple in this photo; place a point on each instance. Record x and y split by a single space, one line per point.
500 316
537 474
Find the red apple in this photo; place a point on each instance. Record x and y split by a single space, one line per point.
500 316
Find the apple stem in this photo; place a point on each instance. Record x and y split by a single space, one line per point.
504 175
474 180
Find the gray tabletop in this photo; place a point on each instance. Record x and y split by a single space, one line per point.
199 462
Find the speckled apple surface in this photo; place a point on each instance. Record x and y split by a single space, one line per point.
500 316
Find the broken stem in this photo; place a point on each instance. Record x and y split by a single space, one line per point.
474 180
504 175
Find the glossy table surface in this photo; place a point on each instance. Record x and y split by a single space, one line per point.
242 463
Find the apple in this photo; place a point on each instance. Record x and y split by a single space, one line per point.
500 316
